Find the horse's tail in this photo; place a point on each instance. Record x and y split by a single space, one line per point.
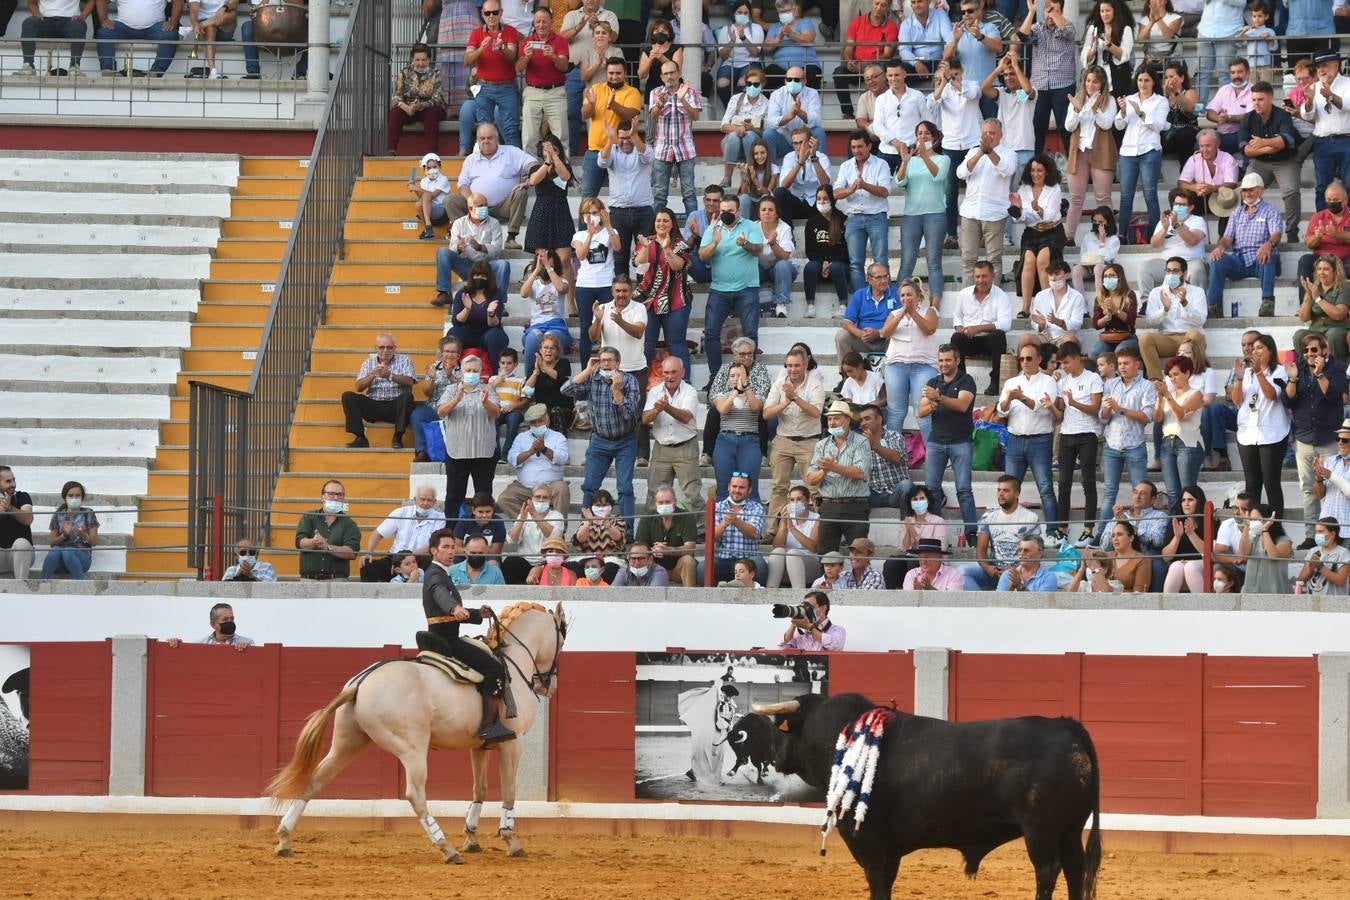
291 781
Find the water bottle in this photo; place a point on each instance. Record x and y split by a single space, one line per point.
1234 307
1298 587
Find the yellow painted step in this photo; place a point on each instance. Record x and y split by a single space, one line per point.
238 382
274 166
401 166
167 484
171 433
256 228
388 229
381 461
408 338
409 250
386 272
301 484
262 207
226 335
224 290
328 386
330 433
251 248
368 208
345 363
327 411
199 362
164 510
264 186
419 290
160 563
245 270
180 408
173 458
239 313
407 311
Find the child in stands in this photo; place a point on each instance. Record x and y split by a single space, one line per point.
509 381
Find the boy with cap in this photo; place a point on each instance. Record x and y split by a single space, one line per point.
428 194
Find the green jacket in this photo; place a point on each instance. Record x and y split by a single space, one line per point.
342 533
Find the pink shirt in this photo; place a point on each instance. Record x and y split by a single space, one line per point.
1197 171
831 638
948 579
930 526
1228 100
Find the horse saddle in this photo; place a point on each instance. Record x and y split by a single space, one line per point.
452 667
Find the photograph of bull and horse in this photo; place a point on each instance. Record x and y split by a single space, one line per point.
696 737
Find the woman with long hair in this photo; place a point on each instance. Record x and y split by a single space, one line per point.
827 251
1178 411
911 355
1178 141
1262 420
550 225
1099 248
738 446
796 543
1131 567
1156 32
1326 305
759 178
1114 311
1185 551
73 534
1092 145
660 47
1143 115
545 288
662 263
1108 41
477 312
1268 551
1039 201
594 246
549 371
923 174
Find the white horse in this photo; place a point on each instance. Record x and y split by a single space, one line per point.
407 708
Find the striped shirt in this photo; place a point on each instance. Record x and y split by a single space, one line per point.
674 131
1250 229
733 544
387 388
470 431
1122 432
746 422
856 453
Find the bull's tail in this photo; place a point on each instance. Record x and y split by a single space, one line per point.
292 781
1093 854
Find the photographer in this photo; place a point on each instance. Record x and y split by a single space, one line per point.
811 628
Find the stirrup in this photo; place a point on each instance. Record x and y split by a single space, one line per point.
495 733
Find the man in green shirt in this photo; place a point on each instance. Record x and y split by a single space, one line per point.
327 538
672 533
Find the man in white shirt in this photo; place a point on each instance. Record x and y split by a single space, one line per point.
982 321
792 106
898 113
987 171
622 324
1177 312
1080 400
800 175
473 236
1028 400
539 457
957 104
411 527
56 19
797 404
1328 108
862 192
1182 231
497 171
1001 531
142 20
1057 312
1229 535
670 414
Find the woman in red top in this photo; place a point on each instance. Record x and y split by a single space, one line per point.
663 260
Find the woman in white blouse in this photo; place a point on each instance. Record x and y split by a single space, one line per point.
1092 147
1109 42
739 49
1039 200
1143 116
1157 33
795 543
911 355
1262 421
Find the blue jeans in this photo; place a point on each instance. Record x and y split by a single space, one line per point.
1034 451
860 230
593 178
500 103
699 271
1331 160
953 189
586 298
781 274
905 382
838 277
623 454
448 261
675 326
1102 346
1216 420
1181 468
1231 267
1113 462
736 148
977 579
468 122
1214 59
661 184
251 65
575 94
535 334
74 561
893 499
1141 171
935 464
166 46
510 422
928 229
721 304
736 453
421 415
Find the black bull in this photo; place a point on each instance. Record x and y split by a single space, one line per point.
970 786
754 740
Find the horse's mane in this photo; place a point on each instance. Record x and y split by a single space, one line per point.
496 633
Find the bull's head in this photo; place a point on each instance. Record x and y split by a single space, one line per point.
788 718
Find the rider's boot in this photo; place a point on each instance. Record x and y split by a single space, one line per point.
492 731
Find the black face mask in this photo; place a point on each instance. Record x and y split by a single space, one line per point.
659 39
1335 206
479 284
475 560
227 628
728 219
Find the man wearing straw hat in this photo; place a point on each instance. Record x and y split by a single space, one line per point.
840 467
538 455
1249 247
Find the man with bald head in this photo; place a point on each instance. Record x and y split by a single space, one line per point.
411 527
473 236
794 105
499 173
383 393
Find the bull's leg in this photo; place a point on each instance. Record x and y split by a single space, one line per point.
348 743
414 762
736 766
479 758
1044 853
881 872
1072 857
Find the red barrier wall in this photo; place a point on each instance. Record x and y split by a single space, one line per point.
70 698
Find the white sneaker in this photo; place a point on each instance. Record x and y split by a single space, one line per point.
780 311
26 69
839 312
215 74
74 72
1007 239
810 310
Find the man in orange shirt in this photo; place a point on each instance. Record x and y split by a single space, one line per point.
869 38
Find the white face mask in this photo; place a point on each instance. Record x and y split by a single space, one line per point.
540 506
665 509
1057 284
74 502
592 218
601 512
824 208
1220 586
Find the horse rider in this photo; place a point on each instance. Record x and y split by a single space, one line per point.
445 611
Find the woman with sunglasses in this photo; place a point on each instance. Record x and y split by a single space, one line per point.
1313 397
743 122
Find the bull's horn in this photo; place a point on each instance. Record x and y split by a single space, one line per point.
777 709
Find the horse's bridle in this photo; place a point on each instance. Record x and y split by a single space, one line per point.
540 682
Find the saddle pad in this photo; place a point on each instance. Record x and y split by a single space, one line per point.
450 666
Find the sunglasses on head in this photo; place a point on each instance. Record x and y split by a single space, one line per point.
739 474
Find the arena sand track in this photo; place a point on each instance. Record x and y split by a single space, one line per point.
130 858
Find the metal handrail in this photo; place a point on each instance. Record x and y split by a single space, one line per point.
239 440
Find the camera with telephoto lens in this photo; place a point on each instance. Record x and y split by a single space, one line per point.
800 611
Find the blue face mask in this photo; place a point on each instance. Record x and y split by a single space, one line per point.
560 182
742 19
1321 540
538 430
753 91
1172 281
1110 282
920 507
786 17
249 561
794 87
334 507
1022 96
527 391
837 430
472 379
1179 211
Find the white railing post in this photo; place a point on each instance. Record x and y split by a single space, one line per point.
317 78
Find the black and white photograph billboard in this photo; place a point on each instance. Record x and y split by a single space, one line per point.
13 717
696 738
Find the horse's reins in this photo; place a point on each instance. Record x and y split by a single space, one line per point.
540 679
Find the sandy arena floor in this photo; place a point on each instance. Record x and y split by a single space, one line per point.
92 858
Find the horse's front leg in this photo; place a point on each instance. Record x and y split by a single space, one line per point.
479 759
509 760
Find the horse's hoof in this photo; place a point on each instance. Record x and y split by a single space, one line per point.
517 852
453 859
472 846
285 852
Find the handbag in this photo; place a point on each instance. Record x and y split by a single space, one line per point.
435 439
915 449
984 450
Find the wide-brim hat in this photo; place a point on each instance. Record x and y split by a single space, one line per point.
555 543
930 545
1345 427
840 408
730 690
1326 56
1224 201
